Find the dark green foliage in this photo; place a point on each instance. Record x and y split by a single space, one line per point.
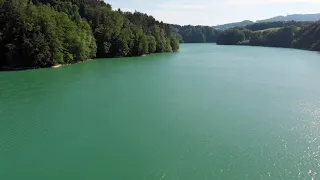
174 44
140 43
309 37
43 33
304 36
211 34
195 34
40 36
230 37
168 45
160 38
277 24
122 43
274 38
152 44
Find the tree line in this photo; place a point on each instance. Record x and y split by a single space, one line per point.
300 35
276 24
43 33
208 34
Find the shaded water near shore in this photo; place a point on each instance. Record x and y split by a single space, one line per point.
206 112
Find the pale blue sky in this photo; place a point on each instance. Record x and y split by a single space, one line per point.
213 12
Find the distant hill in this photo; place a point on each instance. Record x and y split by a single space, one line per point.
294 17
236 24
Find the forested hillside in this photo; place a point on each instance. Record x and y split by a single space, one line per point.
301 35
283 19
42 33
293 17
195 34
276 24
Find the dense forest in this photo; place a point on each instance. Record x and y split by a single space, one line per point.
196 34
300 35
276 24
43 33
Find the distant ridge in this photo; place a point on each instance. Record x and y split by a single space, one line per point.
235 24
292 17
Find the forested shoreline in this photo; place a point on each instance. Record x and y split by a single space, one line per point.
287 34
44 33
298 35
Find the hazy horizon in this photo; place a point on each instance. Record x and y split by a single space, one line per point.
216 12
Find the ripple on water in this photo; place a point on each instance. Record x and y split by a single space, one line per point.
208 112
306 153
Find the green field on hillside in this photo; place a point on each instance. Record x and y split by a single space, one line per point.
269 29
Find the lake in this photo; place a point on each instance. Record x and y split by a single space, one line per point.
206 112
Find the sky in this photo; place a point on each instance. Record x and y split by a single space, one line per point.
215 12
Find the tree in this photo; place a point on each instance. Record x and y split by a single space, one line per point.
174 44
158 34
231 37
152 44
195 34
168 45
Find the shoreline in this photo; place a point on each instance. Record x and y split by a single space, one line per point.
22 68
251 45
56 66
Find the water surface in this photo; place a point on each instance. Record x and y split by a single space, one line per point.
207 112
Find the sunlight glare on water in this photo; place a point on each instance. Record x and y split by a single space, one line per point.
207 112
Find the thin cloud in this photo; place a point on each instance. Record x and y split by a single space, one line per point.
187 5
205 5
268 2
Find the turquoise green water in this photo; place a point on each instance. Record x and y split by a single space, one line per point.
207 112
